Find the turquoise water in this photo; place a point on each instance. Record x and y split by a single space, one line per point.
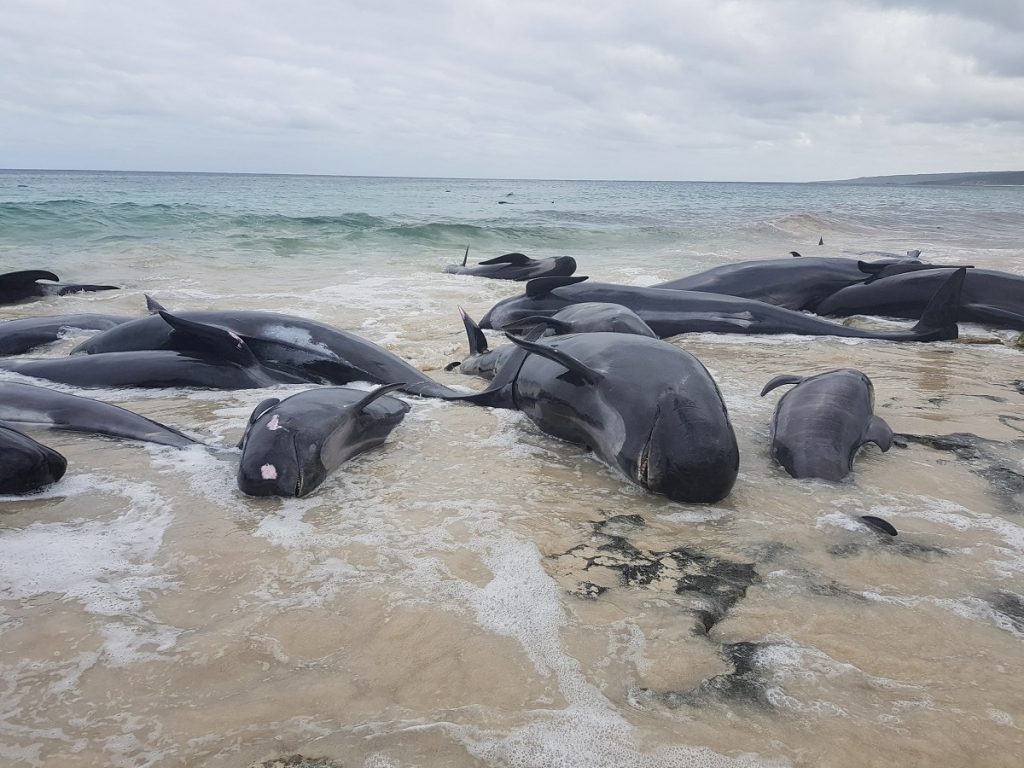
63 216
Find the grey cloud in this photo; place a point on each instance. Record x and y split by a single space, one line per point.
665 89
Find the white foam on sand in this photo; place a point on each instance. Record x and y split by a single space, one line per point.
105 565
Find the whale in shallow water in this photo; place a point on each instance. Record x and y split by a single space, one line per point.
515 266
821 423
290 446
22 335
19 286
799 284
589 317
38 406
644 406
224 362
295 348
673 312
25 464
989 297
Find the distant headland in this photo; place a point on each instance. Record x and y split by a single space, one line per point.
976 179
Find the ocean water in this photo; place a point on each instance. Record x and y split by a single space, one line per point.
476 593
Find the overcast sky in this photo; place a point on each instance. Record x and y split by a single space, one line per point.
768 90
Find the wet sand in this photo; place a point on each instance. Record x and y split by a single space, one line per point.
476 593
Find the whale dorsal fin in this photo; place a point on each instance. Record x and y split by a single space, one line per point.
209 341
509 258
778 381
26 277
879 433
551 352
477 340
526 323
542 286
262 408
376 393
152 305
794 254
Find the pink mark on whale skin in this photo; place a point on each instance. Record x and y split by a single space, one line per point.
273 423
268 472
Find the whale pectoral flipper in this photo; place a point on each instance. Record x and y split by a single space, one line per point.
780 380
879 433
210 340
477 340
508 258
542 286
877 271
879 524
25 277
551 352
465 256
1011 319
939 318
67 288
526 323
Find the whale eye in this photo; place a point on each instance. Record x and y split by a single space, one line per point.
268 472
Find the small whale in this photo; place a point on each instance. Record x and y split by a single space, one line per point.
20 286
290 446
515 266
821 423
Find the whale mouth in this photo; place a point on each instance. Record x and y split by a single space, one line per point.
643 467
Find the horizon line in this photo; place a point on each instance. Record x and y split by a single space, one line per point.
486 178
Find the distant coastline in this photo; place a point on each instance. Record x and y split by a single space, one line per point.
975 179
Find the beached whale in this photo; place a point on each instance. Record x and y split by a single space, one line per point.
799 284
20 336
589 317
292 347
821 423
515 266
25 464
19 286
989 297
226 362
39 406
290 446
644 406
673 312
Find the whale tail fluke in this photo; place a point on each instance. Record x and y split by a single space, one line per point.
939 320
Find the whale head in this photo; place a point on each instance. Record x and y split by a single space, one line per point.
26 464
275 460
691 454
